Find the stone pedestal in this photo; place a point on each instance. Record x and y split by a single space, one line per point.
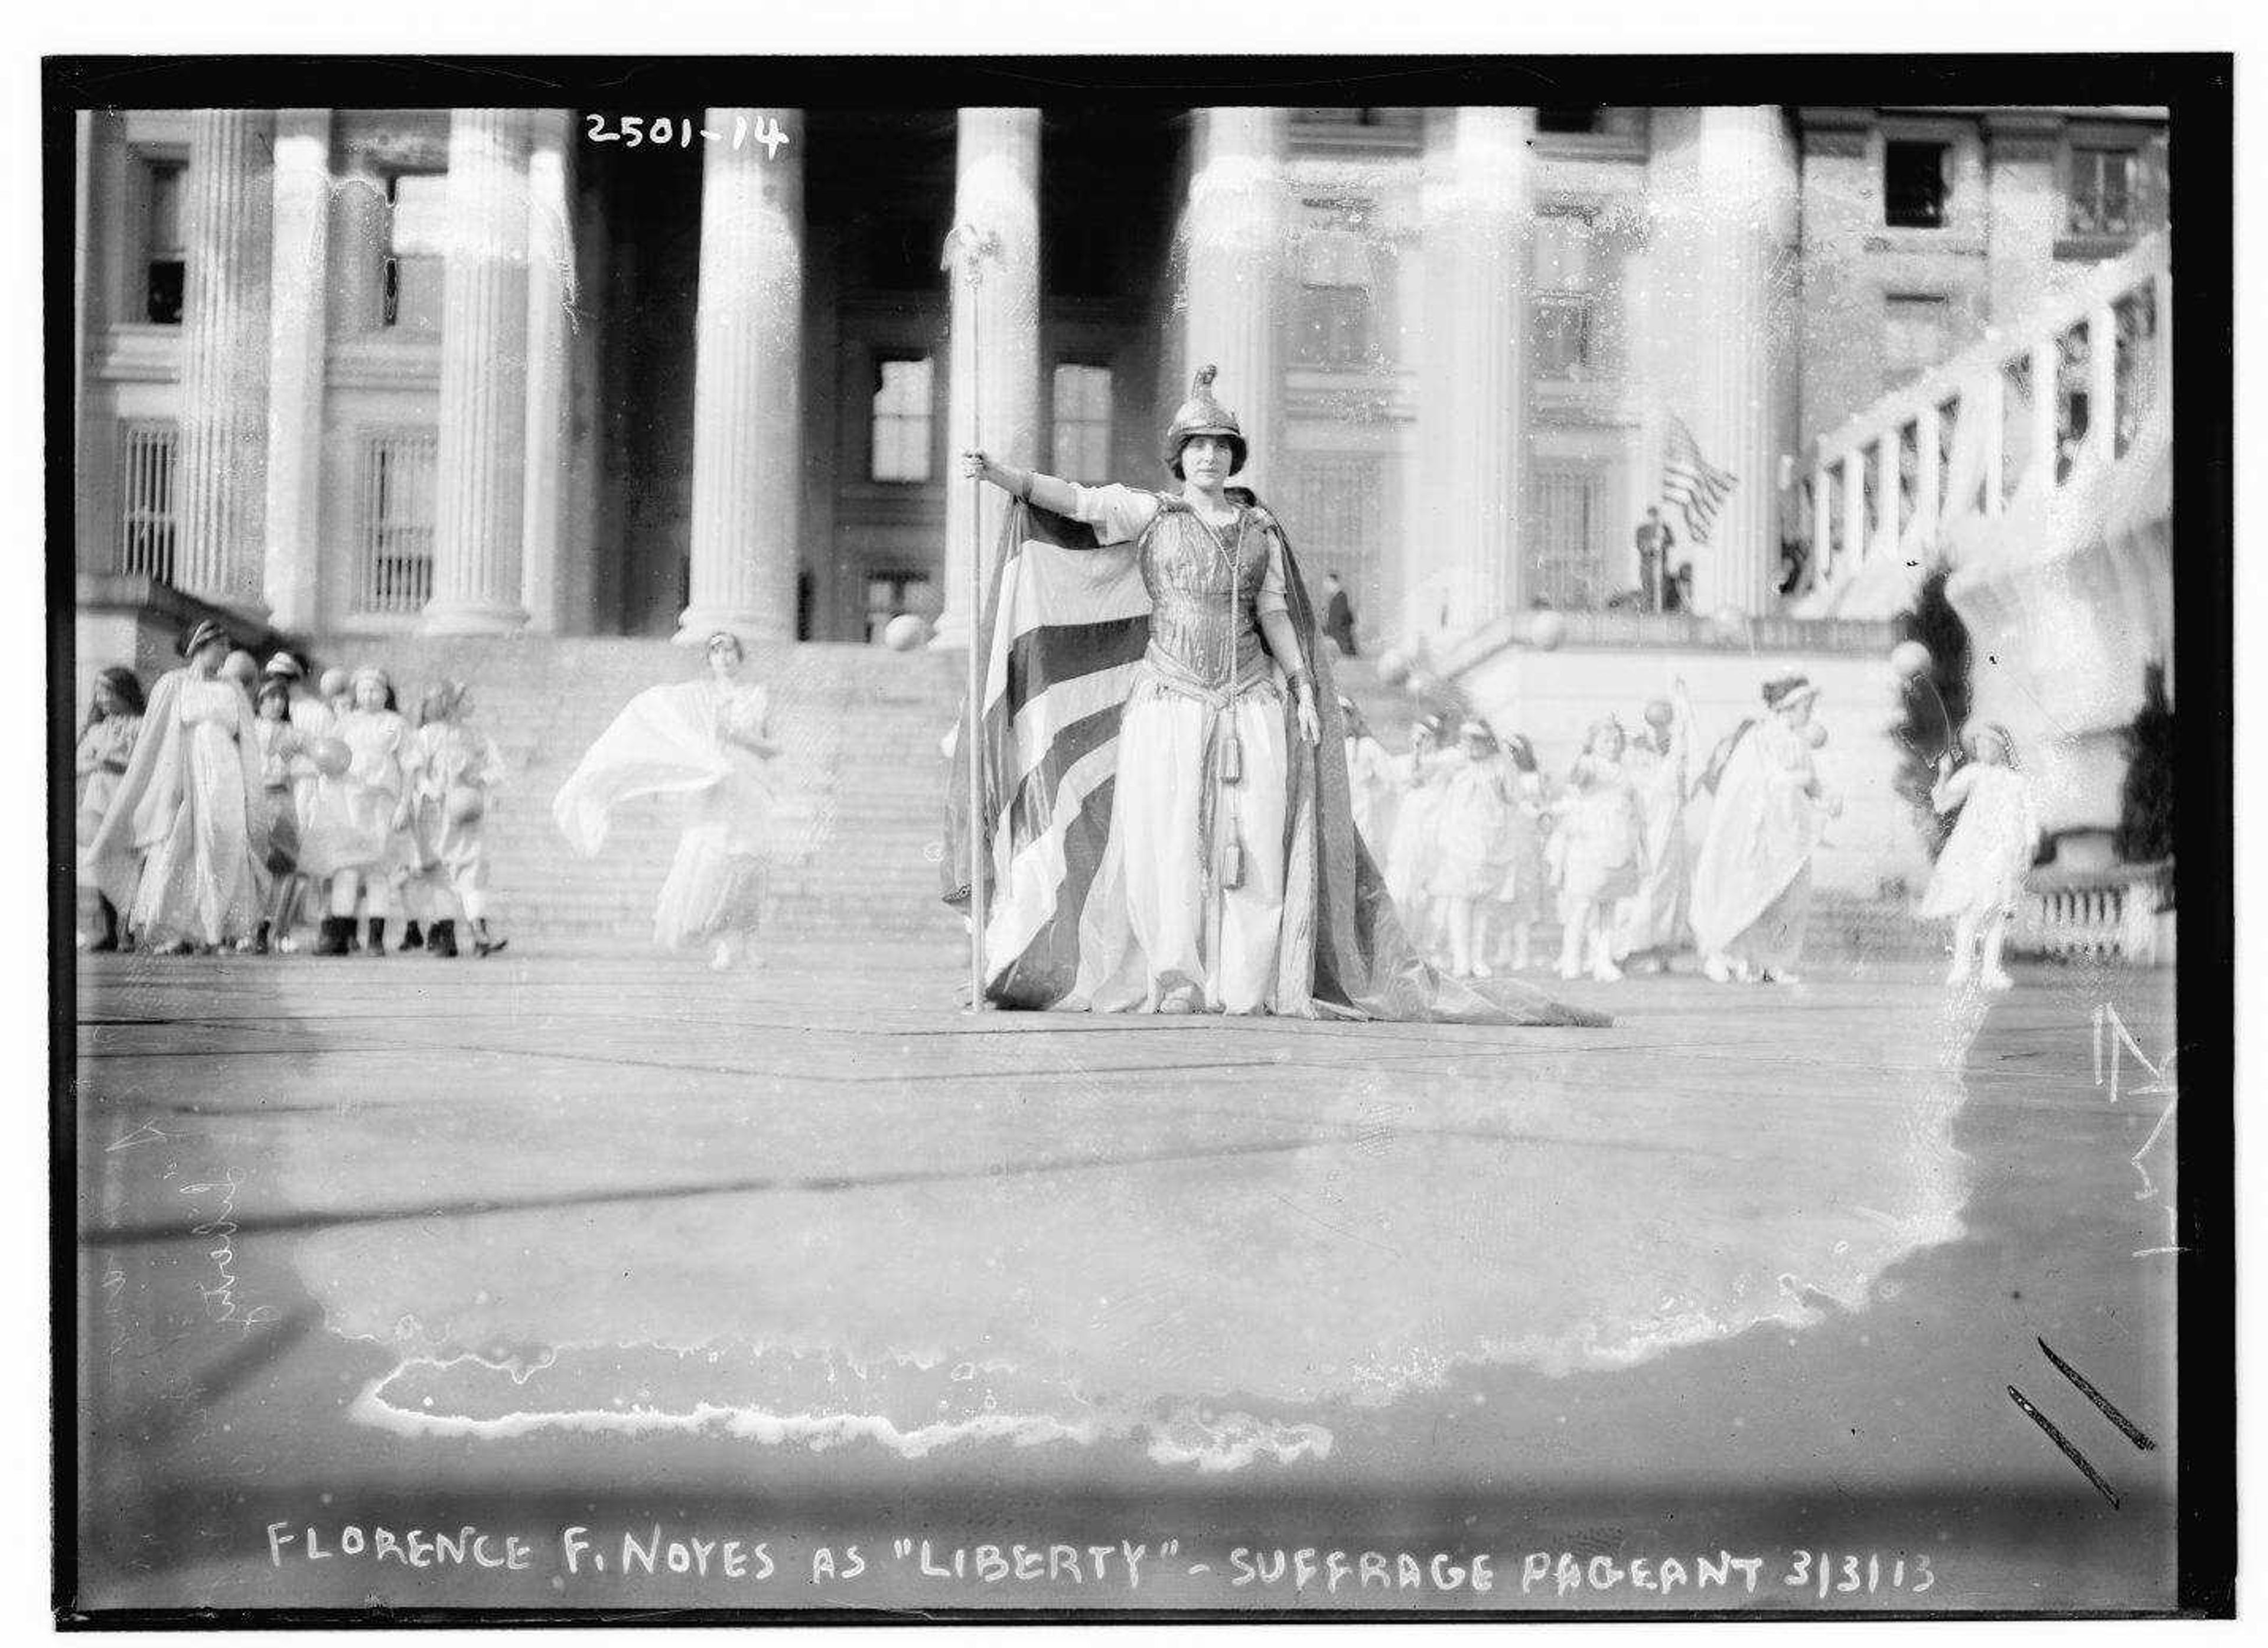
747 395
483 424
994 404
221 469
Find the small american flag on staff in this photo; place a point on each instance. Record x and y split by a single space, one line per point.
1692 482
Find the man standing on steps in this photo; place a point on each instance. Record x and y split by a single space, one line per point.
1339 614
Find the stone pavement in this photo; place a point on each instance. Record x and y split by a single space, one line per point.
805 1257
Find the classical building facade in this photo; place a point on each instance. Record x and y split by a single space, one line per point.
357 372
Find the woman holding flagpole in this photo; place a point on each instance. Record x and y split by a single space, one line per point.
1217 870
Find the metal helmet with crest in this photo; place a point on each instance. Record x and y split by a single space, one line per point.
1201 415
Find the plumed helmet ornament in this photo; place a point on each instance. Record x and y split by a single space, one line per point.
1201 415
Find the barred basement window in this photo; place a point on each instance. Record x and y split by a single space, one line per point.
395 569
1082 418
146 528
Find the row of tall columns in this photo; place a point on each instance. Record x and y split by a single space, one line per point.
1476 209
261 307
221 466
993 393
748 378
299 289
1238 229
1723 193
480 495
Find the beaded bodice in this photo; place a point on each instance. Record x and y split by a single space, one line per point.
1189 570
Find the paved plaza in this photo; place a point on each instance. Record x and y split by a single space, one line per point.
807 1258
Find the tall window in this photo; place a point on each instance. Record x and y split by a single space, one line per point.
163 260
1082 420
1569 560
901 415
416 239
2103 191
145 500
1335 325
888 594
1913 185
1565 348
1915 336
397 570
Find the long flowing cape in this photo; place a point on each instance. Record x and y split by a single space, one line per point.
1761 833
152 789
661 744
1066 625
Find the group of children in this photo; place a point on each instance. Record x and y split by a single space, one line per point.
236 807
1478 848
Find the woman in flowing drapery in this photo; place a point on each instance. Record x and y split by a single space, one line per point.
106 746
708 741
181 849
1651 923
1166 807
1752 896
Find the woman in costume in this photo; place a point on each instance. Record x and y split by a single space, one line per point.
1508 919
1602 853
1229 876
356 834
1474 824
1370 785
451 769
1751 895
1417 838
105 745
1650 923
181 847
709 740
280 745
1979 877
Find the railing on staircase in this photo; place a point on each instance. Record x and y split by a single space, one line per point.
2119 913
2010 413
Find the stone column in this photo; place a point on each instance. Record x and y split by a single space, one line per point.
1723 188
552 296
299 283
1472 409
221 469
1238 226
90 553
479 497
361 222
995 384
747 384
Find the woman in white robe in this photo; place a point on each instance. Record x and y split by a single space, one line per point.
709 740
1751 899
180 847
106 746
1651 923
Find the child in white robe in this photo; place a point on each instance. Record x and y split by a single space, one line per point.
452 770
1980 874
1602 853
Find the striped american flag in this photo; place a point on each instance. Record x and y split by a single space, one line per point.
1692 482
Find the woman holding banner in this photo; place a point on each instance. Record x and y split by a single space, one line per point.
1166 787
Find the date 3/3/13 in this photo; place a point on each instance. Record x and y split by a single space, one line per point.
677 131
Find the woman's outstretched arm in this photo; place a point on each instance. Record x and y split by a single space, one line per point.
1043 489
